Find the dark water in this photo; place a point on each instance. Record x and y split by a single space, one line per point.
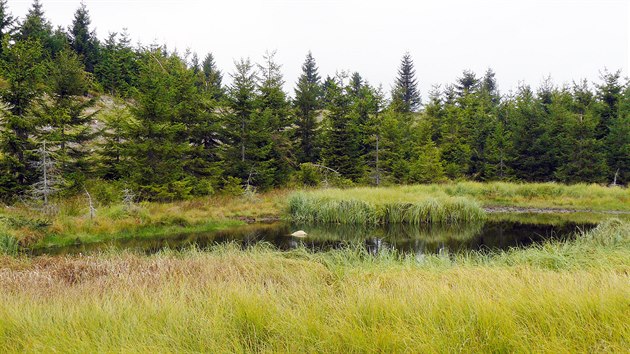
491 236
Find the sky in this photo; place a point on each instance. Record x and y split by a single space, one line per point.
523 41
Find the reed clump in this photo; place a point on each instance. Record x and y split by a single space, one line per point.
305 207
8 245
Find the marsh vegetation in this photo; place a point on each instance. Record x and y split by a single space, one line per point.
570 296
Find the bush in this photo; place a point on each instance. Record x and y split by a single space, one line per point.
104 192
233 186
308 175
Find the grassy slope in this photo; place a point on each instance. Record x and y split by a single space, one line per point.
554 298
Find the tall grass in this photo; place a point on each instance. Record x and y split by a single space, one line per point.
535 195
305 207
570 297
8 245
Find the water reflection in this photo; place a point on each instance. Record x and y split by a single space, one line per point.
418 240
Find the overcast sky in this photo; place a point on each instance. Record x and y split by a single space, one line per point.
522 41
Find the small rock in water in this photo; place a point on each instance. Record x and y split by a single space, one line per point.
299 233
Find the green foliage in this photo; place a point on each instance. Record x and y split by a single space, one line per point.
341 146
233 186
308 175
23 70
405 95
7 21
36 27
153 153
118 65
66 118
307 102
212 77
83 40
116 124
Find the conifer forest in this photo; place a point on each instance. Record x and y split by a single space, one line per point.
166 125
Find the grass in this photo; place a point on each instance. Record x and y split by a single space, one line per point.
571 297
148 231
8 245
72 224
529 195
319 207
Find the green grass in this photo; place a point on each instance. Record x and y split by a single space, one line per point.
149 231
319 207
571 297
531 195
8 245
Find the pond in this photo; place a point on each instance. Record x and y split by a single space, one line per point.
425 239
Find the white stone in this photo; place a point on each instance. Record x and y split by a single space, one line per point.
299 233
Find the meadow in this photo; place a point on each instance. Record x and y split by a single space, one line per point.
556 297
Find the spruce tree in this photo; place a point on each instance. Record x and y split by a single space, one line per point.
405 95
67 117
489 87
83 40
608 96
36 27
157 147
371 105
113 134
275 115
7 21
467 83
341 144
23 70
425 163
238 126
107 70
307 102
580 154
196 109
366 104
356 83
535 157
455 149
213 77
617 142
117 68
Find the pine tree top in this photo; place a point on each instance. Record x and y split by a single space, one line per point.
405 94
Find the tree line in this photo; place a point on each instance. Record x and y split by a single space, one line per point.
75 109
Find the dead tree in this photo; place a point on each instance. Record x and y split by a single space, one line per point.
128 198
90 204
49 179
